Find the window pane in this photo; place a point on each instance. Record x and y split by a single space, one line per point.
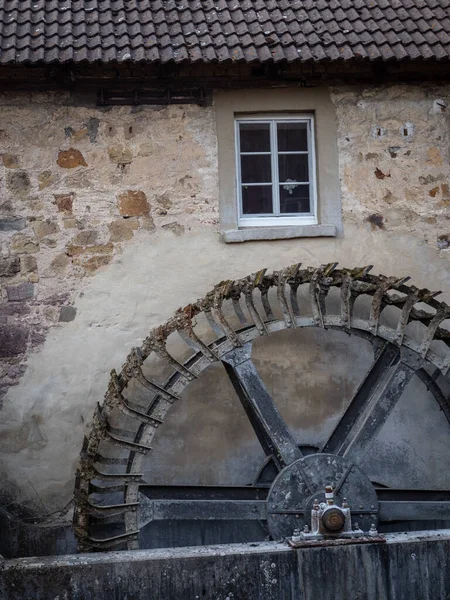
294 199
292 137
256 168
293 167
257 199
255 137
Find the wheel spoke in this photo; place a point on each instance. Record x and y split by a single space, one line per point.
372 404
203 503
265 418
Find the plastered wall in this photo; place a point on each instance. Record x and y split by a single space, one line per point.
109 222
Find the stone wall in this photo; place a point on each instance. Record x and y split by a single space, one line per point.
76 184
109 223
394 154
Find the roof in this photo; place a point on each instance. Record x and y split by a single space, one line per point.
222 30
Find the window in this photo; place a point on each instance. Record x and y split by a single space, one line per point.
275 166
278 164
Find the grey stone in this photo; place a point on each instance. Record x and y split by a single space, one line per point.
13 224
67 314
92 127
22 291
13 340
9 266
18 182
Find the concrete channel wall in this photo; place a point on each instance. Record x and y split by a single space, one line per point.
411 566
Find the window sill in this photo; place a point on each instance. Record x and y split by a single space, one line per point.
253 234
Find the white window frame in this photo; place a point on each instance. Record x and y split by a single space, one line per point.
270 220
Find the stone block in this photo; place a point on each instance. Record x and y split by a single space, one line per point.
122 229
18 182
9 266
13 340
71 224
175 227
64 202
28 264
85 238
95 262
45 179
148 223
67 314
92 128
23 244
11 161
99 249
70 159
164 201
120 155
21 291
133 203
44 228
58 265
12 224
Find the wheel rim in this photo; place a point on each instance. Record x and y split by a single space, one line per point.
398 357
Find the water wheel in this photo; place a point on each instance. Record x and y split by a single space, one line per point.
406 328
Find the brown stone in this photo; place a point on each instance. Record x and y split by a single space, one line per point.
380 175
434 156
433 192
79 250
64 202
23 244
28 264
33 277
58 265
45 179
120 155
122 229
45 228
85 238
10 161
133 203
69 159
175 227
80 134
445 191
95 262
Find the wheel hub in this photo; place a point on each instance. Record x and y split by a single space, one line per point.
298 485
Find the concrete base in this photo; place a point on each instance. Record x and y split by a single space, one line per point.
408 567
